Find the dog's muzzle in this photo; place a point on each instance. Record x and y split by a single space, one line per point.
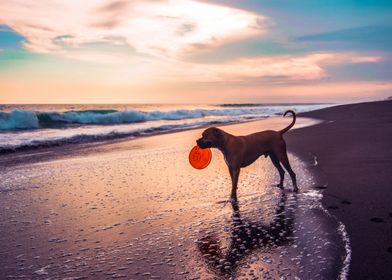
202 143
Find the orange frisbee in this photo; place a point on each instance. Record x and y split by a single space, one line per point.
200 158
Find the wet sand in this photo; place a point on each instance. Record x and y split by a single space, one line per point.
351 156
137 210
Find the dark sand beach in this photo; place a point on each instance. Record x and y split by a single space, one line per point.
136 209
353 152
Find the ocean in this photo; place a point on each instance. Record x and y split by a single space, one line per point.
34 126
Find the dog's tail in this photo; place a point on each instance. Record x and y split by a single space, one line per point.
284 130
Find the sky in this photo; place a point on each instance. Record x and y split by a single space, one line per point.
188 51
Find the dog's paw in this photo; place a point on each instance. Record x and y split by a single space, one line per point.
280 186
295 189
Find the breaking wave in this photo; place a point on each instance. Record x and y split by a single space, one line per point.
20 119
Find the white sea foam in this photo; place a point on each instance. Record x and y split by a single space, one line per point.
342 231
315 196
347 259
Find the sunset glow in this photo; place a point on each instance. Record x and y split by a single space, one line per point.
183 51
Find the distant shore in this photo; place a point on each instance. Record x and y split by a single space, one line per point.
350 154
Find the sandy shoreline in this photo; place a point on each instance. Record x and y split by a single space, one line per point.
137 210
351 157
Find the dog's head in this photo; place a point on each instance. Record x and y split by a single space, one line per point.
211 138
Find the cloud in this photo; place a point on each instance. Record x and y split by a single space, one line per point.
115 6
375 37
306 67
360 34
158 28
112 14
5 28
365 59
185 28
363 68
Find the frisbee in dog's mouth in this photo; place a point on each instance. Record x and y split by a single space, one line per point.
200 158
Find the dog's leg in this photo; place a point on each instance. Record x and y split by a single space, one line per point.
276 163
234 174
285 162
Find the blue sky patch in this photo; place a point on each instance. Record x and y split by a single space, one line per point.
9 39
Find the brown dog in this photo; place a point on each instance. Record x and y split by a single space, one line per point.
241 151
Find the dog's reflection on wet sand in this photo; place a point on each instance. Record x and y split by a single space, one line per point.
246 236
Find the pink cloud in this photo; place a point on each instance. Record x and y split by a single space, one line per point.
287 67
158 28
